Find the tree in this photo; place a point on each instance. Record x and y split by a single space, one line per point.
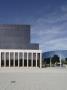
55 59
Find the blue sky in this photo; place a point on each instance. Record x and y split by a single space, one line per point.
48 20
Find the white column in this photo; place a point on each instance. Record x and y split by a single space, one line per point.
60 60
27 59
23 59
40 59
50 61
36 59
14 59
32 60
18 59
9 59
4 59
0 59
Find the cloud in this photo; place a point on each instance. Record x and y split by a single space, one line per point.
58 44
51 31
64 8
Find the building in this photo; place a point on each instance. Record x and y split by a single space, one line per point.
16 50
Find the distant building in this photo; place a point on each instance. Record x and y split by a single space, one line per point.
16 49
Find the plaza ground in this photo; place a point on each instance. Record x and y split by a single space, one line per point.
33 78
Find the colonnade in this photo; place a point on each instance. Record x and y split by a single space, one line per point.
20 58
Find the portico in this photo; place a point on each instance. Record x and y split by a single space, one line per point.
20 58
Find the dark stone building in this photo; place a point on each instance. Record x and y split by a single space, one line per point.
16 37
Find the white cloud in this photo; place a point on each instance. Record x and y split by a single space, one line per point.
51 32
58 44
64 8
